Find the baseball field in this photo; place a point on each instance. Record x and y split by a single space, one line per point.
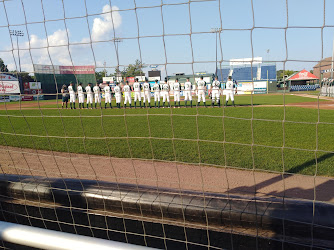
277 133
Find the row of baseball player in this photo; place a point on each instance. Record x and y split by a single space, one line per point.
142 92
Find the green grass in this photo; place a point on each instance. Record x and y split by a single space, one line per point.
210 136
258 99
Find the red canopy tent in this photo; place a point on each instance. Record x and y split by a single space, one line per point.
303 75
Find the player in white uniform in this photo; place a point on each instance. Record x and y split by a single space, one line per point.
97 94
156 90
229 90
72 95
107 96
147 93
127 94
176 88
165 94
81 96
188 93
215 92
201 85
118 95
137 90
89 93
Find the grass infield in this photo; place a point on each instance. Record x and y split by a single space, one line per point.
242 137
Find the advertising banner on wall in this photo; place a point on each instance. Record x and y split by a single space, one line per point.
46 69
141 78
153 78
246 88
35 85
77 70
109 79
4 99
27 98
14 98
26 86
4 77
56 69
130 79
9 87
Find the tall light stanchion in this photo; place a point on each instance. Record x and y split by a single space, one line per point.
17 33
332 68
216 55
216 30
117 41
105 71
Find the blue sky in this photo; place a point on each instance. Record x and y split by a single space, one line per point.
292 32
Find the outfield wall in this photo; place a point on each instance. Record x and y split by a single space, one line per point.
53 77
51 82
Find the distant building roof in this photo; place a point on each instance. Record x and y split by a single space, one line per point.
325 62
303 75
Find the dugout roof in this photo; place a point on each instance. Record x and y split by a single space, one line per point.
303 75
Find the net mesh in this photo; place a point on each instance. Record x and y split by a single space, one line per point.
257 175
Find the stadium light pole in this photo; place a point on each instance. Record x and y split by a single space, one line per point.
116 41
216 30
332 68
17 33
105 71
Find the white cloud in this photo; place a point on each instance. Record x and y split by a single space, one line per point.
39 54
103 27
58 52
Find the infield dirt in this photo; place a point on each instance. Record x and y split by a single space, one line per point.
165 174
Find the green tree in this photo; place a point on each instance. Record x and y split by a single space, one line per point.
132 70
3 66
281 73
24 76
99 76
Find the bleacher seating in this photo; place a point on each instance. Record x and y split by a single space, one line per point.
304 87
248 73
244 74
223 73
271 72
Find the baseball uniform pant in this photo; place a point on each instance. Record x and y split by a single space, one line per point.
118 98
165 96
137 96
188 96
147 95
176 96
229 94
81 98
97 98
215 95
127 98
72 97
201 96
107 98
157 96
89 99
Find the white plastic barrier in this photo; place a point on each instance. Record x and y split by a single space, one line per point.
48 239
